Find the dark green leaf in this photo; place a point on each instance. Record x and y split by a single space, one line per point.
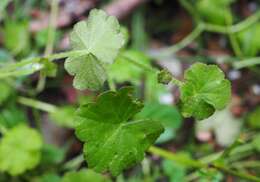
114 143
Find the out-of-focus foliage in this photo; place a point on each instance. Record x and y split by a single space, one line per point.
215 12
18 41
168 115
254 118
248 38
84 175
20 150
64 116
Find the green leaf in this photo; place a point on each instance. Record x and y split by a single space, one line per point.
205 90
253 118
168 115
84 175
64 116
114 143
88 70
20 150
100 39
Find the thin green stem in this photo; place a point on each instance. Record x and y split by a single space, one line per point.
246 63
19 69
41 82
183 43
52 27
234 44
74 163
184 160
37 104
50 41
246 164
236 173
176 82
18 73
198 164
233 28
140 65
190 9
111 84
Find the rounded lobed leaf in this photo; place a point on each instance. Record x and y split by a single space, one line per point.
114 143
88 70
205 90
99 38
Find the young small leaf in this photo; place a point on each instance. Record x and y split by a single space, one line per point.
49 69
205 90
20 150
114 143
100 38
164 77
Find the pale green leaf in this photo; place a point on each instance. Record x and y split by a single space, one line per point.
114 143
20 150
84 175
88 70
100 36
205 90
